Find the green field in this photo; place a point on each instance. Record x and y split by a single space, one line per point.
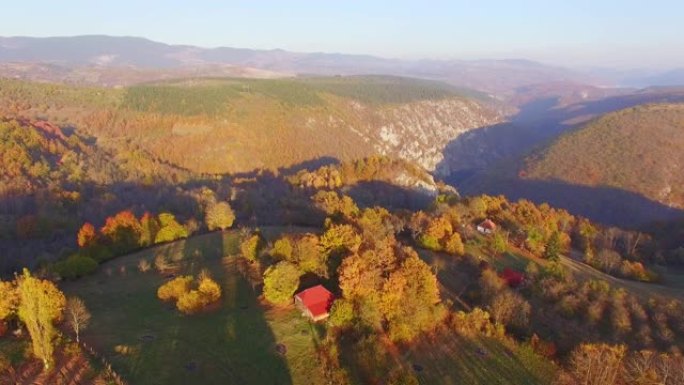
236 344
150 342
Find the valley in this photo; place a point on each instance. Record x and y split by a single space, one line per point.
174 214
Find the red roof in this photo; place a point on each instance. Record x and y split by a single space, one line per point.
488 224
317 299
512 277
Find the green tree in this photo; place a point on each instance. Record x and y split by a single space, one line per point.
282 248
500 241
477 207
280 282
250 247
75 266
553 247
340 239
341 313
535 240
40 305
308 256
219 216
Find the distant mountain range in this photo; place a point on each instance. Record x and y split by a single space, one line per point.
100 54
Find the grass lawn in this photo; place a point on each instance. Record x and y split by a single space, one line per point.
235 344
150 342
454 359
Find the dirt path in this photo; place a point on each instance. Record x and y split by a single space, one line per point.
643 289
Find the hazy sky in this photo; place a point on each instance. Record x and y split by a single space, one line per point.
625 33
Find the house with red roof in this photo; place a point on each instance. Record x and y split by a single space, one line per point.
486 227
315 302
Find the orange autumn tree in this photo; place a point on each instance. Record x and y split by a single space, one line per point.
123 231
86 235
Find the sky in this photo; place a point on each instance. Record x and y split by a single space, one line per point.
585 33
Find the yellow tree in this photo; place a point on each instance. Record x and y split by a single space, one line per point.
219 216
40 305
8 300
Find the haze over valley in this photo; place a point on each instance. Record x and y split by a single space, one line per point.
341 194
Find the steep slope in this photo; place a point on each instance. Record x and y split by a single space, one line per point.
238 125
637 149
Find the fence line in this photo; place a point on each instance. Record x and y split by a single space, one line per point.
107 365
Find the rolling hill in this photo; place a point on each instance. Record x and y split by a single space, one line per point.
637 150
238 125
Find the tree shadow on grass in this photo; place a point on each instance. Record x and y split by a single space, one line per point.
233 344
229 344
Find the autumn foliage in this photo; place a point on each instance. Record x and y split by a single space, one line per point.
86 235
190 300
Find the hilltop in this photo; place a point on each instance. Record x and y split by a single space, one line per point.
636 149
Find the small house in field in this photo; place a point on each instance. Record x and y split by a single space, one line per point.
314 302
486 227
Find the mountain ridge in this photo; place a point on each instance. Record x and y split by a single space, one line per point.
490 75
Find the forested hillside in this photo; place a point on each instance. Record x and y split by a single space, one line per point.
638 149
238 125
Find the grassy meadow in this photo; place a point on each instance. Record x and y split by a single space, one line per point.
150 342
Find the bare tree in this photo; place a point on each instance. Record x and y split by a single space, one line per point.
639 367
597 364
77 316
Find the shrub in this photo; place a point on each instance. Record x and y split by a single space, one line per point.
209 289
75 266
144 265
175 288
161 263
476 322
191 302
